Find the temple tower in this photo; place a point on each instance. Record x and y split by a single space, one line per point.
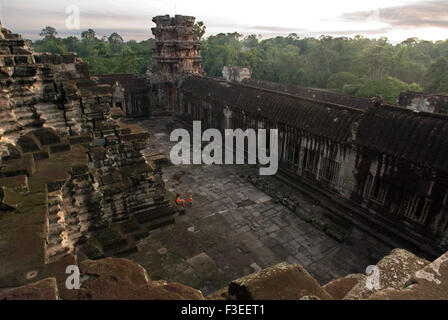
177 46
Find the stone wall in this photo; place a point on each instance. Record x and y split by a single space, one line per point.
437 103
235 73
385 164
72 176
130 93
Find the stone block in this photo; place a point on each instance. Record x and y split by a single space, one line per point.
393 271
46 289
281 282
429 283
339 288
121 279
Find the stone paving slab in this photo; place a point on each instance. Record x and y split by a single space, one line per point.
229 236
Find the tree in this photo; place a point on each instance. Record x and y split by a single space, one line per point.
128 61
350 89
88 35
96 63
251 41
435 73
344 64
404 67
116 43
71 44
48 33
443 84
377 59
52 46
319 64
410 42
340 79
387 89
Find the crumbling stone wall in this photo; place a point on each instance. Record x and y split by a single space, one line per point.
236 73
72 177
418 101
130 93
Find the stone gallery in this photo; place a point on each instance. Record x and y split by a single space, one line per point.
357 210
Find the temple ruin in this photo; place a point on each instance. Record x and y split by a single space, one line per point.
78 188
383 163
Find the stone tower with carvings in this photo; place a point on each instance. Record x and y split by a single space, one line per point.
177 45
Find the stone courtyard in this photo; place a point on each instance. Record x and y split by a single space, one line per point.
233 229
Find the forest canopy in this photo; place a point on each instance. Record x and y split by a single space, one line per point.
355 66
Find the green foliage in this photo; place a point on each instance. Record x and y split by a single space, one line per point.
388 89
108 55
347 65
443 84
350 89
436 74
88 35
341 79
355 66
116 43
128 61
48 33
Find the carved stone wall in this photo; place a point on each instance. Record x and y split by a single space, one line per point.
385 164
177 46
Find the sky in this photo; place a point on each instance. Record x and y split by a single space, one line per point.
395 19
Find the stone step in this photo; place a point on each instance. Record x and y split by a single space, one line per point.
160 223
149 216
149 208
140 207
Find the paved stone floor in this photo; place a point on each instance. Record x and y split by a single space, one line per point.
234 229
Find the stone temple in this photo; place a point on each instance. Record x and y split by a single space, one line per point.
86 181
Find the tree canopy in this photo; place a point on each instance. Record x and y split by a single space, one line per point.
357 66
108 55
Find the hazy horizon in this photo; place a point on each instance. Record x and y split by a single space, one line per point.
395 19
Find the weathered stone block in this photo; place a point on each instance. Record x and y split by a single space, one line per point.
17 183
339 288
429 283
393 271
120 279
281 282
24 165
46 289
62 147
25 71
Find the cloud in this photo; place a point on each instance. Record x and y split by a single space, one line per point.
275 29
29 22
433 14
132 18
